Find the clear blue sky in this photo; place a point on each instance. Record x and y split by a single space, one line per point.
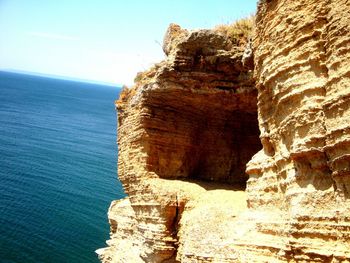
100 40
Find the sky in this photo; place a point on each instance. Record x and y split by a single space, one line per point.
100 40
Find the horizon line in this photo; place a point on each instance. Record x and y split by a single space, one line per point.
54 76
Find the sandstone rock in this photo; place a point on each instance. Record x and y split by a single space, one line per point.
172 36
300 180
185 132
248 56
188 127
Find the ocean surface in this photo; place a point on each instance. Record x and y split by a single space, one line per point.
57 168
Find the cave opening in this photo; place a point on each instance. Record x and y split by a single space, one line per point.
206 137
222 149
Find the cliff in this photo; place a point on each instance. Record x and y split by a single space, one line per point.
230 157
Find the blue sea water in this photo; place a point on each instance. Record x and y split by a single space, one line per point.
57 168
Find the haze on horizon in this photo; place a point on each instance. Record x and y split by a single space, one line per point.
107 42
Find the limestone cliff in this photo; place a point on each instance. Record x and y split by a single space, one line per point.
196 125
298 187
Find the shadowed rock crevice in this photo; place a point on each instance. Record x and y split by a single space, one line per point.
196 136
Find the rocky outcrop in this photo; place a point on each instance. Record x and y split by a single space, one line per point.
185 133
196 124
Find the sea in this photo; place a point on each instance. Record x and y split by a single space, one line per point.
58 162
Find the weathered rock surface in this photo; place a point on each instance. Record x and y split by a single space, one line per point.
186 131
189 126
298 187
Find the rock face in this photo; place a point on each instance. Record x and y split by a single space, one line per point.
298 187
186 131
196 124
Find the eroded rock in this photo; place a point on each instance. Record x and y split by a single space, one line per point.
186 131
189 126
298 186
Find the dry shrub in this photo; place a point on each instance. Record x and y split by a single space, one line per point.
239 32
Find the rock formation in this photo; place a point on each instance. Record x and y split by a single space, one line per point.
298 187
196 125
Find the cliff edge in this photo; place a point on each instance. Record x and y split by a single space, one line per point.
238 151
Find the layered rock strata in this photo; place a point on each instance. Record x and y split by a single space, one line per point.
298 187
185 133
189 127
